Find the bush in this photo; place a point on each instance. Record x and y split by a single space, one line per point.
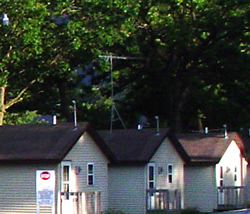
191 210
113 211
156 212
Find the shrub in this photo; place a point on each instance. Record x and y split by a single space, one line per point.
113 211
156 212
191 210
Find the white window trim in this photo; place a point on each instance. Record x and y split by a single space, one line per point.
149 181
90 174
170 174
66 163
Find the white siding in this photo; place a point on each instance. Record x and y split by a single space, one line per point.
18 187
200 188
248 186
128 184
232 158
166 154
86 151
127 189
18 181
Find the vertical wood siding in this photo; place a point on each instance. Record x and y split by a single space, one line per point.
86 151
127 189
18 188
200 188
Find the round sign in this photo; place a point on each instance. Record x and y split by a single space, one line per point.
45 175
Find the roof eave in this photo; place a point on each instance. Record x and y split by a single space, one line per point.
100 143
30 161
179 148
128 163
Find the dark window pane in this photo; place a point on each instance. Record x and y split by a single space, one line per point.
151 173
221 172
65 173
90 168
151 185
170 178
170 169
90 180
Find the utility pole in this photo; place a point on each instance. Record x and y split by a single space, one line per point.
113 108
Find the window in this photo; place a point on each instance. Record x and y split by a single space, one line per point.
151 175
90 174
170 173
221 176
66 169
235 173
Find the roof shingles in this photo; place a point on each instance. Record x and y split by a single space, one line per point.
43 142
207 148
131 145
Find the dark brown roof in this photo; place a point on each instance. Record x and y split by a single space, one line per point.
208 148
43 142
246 141
137 146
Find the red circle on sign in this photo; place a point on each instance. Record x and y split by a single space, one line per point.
45 175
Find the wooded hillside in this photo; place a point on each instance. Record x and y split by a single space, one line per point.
186 61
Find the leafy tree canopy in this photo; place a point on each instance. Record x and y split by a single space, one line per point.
192 70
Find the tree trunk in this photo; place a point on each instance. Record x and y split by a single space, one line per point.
175 118
2 105
178 100
64 107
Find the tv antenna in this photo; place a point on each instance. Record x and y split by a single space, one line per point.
113 108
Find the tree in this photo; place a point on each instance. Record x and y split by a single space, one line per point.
193 50
191 46
21 45
75 37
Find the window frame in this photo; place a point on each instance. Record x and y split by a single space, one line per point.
90 174
67 164
235 173
170 173
153 180
221 180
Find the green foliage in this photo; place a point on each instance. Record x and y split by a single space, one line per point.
21 118
190 211
113 211
192 45
195 59
156 212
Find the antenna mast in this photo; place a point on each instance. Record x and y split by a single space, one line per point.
113 108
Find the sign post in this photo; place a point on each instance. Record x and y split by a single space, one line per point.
45 189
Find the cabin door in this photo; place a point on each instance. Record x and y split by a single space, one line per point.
151 184
67 198
151 176
221 191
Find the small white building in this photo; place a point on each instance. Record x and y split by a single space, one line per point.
64 170
216 175
147 172
53 169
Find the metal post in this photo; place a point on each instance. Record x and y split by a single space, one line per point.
74 109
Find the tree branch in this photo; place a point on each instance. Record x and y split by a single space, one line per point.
19 97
